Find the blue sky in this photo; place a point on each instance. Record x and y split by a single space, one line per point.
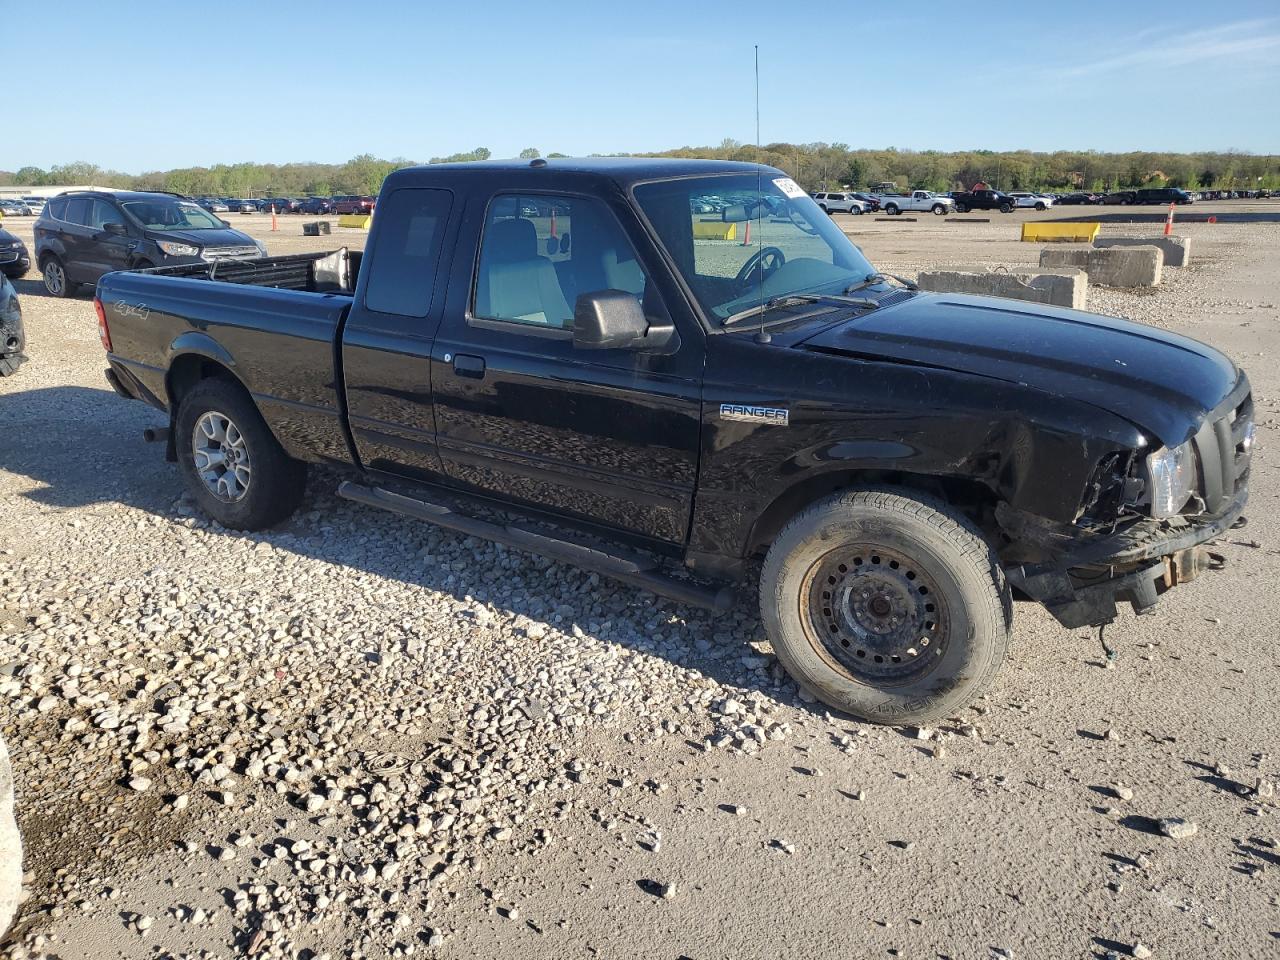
143 85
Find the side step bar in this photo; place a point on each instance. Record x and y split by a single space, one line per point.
638 572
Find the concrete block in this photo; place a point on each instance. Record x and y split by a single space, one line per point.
10 846
1177 250
1137 266
1059 287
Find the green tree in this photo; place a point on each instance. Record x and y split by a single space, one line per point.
530 153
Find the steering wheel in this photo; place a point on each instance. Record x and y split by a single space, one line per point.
767 260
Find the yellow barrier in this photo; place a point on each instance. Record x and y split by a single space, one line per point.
360 221
1063 232
714 230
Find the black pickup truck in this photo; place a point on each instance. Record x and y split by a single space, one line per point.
658 399
984 200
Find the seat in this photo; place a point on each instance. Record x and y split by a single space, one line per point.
516 283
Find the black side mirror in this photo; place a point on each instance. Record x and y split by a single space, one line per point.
115 229
614 320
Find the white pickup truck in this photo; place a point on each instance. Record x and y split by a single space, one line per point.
896 203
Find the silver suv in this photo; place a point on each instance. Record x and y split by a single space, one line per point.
840 203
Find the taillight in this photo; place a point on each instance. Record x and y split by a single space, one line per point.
104 334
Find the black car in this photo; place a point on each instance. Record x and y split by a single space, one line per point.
1077 198
12 337
1120 198
1162 195
15 261
82 235
316 205
902 462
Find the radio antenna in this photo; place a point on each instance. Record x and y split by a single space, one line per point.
762 336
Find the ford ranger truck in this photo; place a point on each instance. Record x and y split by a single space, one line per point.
623 386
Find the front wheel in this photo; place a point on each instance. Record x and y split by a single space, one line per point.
939 209
1006 208
1040 206
234 467
887 605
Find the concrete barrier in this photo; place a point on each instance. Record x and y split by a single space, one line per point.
714 230
1061 288
1111 266
1177 250
10 847
360 221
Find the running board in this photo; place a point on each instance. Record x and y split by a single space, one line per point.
637 571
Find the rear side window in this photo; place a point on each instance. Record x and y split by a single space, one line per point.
402 271
78 210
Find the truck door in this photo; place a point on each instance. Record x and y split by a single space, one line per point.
386 343
607 436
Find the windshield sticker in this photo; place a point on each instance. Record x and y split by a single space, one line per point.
789 187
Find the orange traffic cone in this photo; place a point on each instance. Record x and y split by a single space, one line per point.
1168 222
273 218
746 235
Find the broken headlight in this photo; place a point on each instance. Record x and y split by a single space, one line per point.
1171 479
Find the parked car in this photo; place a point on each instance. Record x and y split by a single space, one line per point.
352 204
15 261
319 205
1120 198
242 206
13 339
35 203
626 385
1162 195
1032 201
1078 198
873 203
896 203
84 234
984 200
212 204
839 203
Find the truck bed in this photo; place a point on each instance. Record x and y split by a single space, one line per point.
331 271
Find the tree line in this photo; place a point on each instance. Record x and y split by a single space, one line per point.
815 166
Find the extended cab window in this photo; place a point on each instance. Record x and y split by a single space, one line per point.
402 272
539 253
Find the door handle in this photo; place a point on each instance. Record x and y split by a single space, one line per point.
465 365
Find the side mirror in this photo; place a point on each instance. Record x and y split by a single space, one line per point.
225 223
614 320
115 229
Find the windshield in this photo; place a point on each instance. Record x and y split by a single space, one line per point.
741 240
172 214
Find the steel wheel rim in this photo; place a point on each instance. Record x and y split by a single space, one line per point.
875 614
221 457
53 279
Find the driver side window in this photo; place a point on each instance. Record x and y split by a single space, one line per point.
539 253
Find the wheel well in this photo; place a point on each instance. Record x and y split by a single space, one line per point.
188 370
45 258
972 498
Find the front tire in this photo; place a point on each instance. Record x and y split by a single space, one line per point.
939 209
1041 206
1006 208
887 605
234 467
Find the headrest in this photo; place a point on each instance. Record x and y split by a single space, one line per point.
509 241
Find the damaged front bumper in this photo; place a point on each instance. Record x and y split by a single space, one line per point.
1082 585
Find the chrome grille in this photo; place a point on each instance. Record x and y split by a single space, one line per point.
230 253
1224 447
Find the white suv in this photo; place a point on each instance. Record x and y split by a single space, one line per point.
840 203
1036 200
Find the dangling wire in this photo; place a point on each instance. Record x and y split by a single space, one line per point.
1110 654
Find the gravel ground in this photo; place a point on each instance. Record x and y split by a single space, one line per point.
356 736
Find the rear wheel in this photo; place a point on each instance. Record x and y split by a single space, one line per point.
232 464
891 210
55 278
887 605
961 208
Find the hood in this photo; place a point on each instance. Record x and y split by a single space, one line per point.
226 237
1162 382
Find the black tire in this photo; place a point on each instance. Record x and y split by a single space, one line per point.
961 208
891 210
842 540
1041 206
56 283
1006 208
276 484
938 209
823 208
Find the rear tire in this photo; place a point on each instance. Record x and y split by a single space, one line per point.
887 605
891 210
961 208
55 278
245 480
